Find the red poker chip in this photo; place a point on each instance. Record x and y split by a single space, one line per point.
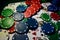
35 1
32 2
55 16
1 16
32 10
28 2
36 7
12 29
27 14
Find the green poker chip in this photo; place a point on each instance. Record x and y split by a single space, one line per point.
54 36
24 20
55 26
58 25
7 22
7 12
45 17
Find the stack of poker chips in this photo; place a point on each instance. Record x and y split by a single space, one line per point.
28 15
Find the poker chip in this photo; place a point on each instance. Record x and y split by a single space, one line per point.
7 12
28 2
12 29
35 1
47 28
35 8
55 16
21 8
31 10
27 14
21 27
7 22
32 2
45 17
32 23
54 36
4 35
52 8
25 20
58 25
55 26
18 16
56 2
20 37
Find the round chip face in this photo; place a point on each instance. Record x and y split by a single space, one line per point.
18 16
7 12
7 22
32 23
45 17
47 28
20 37
21 8
52 8
55 16
21 27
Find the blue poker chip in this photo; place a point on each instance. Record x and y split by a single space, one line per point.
21 27
56 2
18 16
32 23
47 28
21 8
20 37
52 8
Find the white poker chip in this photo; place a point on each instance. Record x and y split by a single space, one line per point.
18 16
4 35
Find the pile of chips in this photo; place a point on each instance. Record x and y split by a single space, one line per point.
31 20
